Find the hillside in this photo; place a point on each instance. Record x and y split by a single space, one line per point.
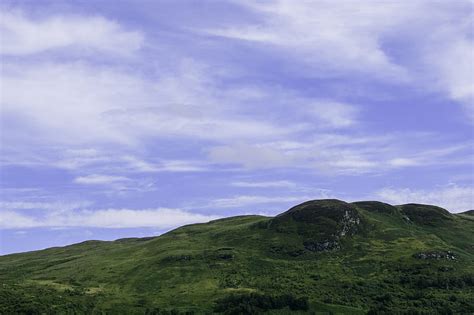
320 256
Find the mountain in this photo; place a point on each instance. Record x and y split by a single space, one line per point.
322 256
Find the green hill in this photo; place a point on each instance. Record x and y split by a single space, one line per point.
323 257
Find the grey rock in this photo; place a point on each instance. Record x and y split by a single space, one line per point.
435 255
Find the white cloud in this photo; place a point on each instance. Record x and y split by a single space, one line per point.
58 206
162 218
23 35
243 201
268 184
196 122
10 219
454 198
403 162
435 156
116 185
250 156
181 166
76 103
66 103
453 69
345 154
75 159
134 164
98 179
253 200
323 155
334 114
332 37
337 38
127 163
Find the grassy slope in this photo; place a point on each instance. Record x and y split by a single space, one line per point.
190 267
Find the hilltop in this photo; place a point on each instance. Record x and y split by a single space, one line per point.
319 256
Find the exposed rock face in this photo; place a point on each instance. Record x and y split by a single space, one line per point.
435 255
349 223
321 223
338 216
406 219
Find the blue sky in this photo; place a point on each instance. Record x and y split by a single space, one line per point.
130 118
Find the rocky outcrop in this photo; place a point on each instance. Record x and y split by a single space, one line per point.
350 221
435 255
321 223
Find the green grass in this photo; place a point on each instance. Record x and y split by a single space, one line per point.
190 268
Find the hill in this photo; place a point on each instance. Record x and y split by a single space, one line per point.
323 256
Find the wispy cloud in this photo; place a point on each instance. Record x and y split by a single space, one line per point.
453 197
114 185
353 37
161 218
258 200
244 201
329 37
24 35
57 206
449 59
456 154
124 107
337 154
267 184
98 179
123 162
334 114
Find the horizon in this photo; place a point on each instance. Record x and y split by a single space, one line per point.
134 118
210 221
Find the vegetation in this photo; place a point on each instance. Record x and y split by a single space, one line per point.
254 303
321 257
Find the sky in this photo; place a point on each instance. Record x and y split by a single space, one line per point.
131 118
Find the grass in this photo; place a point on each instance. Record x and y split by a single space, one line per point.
190 268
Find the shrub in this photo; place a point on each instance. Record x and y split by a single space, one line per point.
256 303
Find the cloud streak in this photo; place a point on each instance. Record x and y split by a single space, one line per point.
242 201
160 218
338 155
23 35
59 206
269 184
354 37
98 179
454 198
